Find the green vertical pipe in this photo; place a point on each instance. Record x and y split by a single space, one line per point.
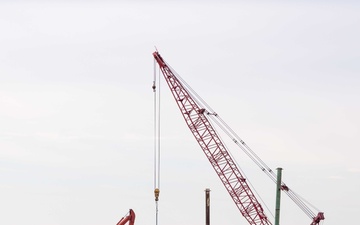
207 206
278 196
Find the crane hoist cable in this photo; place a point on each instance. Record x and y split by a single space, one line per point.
156 142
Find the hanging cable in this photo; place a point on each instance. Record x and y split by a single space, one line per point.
226 128
158 136
155 128
156 144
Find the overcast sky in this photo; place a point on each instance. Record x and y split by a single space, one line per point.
76 107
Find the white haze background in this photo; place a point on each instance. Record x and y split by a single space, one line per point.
76 107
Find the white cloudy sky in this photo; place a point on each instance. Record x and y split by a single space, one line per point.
76 118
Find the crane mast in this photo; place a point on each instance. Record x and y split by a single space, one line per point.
216 152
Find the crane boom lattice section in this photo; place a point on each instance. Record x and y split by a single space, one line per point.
216 152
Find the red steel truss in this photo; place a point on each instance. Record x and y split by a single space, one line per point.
218 156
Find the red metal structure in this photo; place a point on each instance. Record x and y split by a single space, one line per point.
214 149
216 152
130 217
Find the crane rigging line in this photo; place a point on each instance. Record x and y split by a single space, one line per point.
158 135
156 142
155 128
304 200
226 128
213 116
300 203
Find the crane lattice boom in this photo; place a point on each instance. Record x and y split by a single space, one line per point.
218 156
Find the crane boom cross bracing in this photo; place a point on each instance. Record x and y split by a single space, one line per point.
218 156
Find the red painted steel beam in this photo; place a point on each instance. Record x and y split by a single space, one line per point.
218 156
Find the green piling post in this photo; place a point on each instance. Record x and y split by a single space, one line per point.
278 196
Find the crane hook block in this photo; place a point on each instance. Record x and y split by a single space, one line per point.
157 192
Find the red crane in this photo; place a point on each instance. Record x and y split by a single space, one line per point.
214 149
129 217
233 180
